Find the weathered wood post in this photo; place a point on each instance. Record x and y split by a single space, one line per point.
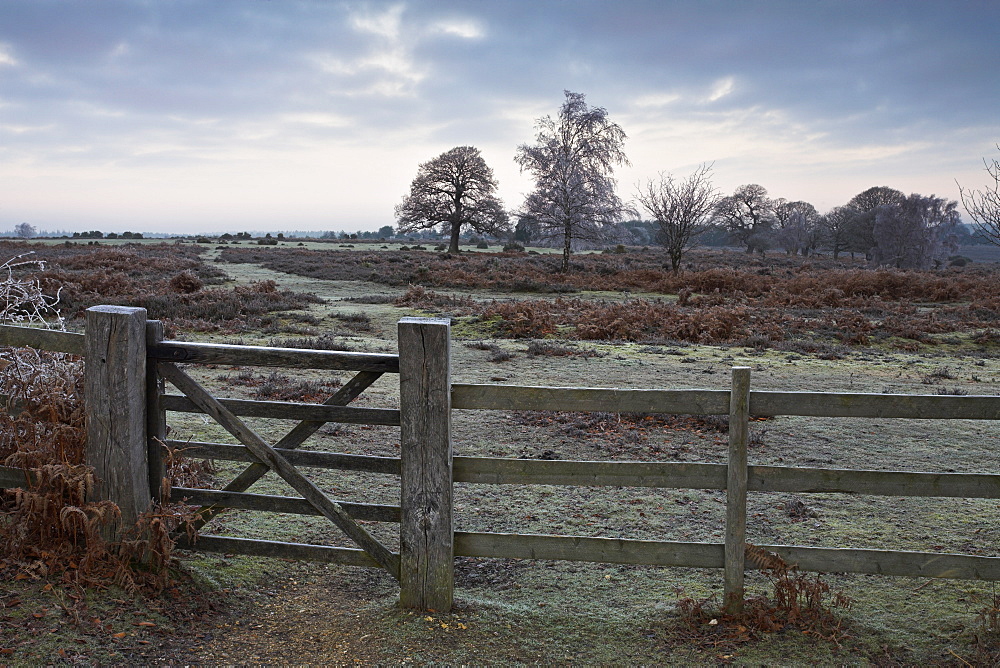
115 401
426 533
736 490
156 417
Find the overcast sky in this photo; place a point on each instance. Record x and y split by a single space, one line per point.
216 115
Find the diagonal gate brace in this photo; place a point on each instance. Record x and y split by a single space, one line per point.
292 440
255 444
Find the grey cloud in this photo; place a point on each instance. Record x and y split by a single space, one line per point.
105 81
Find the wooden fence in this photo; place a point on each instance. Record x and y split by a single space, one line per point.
428 469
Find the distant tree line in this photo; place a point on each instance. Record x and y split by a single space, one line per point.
575 204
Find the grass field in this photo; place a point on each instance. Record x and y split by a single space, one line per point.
890 340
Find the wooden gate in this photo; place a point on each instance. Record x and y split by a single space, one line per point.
164 358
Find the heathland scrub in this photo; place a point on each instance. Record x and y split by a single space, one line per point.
511 611
541 611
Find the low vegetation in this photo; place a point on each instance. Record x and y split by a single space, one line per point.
171 282
613 320
53 531
774 303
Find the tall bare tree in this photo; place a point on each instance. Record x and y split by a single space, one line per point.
836 225
454 190
983 206
572 162
798 226
748 215
682 210
916 232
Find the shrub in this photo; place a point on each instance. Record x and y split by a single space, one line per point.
548 349
501 356
54 527
186 282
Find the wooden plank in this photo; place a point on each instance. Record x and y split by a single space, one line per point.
736 490
712 555
515 397
673 475
427 563
12 477
684 475
331 510
837 404
115 402
323 460
889 562
296 358
715 402
344 556
42 339
156 417
278 504
580 548
876 483
287 410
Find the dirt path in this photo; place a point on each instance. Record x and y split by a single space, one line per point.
345 616
303 624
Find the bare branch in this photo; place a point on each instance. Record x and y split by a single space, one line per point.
681 209
983 206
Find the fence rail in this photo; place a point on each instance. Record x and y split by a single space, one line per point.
323 460
712 555
428 468
296 358
287 410
716 402
279 504
42 339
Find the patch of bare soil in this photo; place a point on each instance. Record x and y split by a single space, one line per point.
338 616
299 618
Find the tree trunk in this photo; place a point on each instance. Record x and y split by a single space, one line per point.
675 261
567 242
456 230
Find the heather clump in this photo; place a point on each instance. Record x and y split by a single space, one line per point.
632 320
53 525
171 282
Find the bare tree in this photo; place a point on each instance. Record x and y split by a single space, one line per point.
916 232
453 190
836 225
983 206
25 230
572 162
748 215
682 210
798 226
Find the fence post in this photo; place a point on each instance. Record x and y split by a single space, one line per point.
115 401
156 417
736 490
426 532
